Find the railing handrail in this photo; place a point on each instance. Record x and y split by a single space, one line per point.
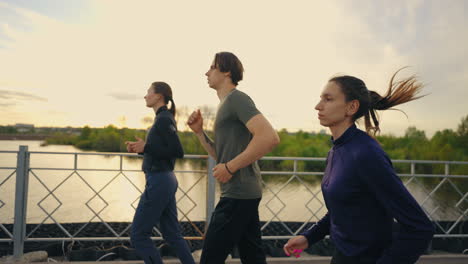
206 156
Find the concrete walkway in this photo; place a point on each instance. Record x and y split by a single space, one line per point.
426 259
40 257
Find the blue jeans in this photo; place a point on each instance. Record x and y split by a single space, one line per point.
158 206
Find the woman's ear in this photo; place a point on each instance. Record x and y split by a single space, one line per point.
352 107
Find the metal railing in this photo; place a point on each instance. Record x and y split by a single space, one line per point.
294 178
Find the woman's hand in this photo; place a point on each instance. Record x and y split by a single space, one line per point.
295 245
136 146
129 146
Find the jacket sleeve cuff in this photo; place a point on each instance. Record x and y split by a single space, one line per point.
311 235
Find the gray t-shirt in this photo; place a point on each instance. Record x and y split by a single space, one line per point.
232 138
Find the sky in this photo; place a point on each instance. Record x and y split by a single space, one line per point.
76 63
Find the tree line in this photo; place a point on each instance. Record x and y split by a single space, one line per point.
446 144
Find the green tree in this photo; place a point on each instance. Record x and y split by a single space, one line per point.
107 140
85 133
462 132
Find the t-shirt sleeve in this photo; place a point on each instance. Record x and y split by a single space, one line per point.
243 106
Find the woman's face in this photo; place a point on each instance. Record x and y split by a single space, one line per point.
333 110
151 97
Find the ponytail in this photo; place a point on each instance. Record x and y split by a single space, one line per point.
173 107
399 92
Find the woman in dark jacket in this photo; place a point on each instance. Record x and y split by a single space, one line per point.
361 190
158 203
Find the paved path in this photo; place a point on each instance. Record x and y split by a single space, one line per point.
427 259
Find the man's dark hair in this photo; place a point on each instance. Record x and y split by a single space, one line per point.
228 62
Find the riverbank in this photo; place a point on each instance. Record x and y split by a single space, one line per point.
23 137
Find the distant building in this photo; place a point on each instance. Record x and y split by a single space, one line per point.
23 128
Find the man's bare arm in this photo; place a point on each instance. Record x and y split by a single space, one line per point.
264 140
207 144
195 122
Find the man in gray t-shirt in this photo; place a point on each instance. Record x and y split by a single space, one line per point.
231 138
242 136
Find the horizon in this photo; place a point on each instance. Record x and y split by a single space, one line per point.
324 130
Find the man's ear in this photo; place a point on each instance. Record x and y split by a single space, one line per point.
352 107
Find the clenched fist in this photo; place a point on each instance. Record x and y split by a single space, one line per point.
195 121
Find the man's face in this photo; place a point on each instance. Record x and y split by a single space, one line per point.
215 77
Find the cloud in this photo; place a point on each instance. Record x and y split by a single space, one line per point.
125 96
427 34
14 95
6 104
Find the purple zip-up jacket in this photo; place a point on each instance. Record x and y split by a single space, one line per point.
363 196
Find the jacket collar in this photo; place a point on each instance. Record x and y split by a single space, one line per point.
347 135
162 108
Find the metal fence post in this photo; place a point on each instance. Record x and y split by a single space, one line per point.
210 190
21 200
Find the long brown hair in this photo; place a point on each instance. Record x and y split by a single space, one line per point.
398 92
165 90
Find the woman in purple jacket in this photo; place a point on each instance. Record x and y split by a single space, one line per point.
361 190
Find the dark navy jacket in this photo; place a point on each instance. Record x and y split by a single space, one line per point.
364 195
162 144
